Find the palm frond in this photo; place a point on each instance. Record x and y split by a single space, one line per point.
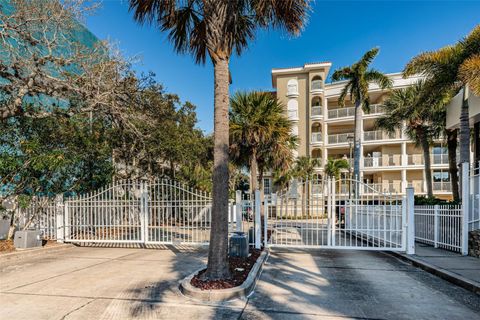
470 73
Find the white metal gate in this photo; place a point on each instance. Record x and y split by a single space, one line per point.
159 212
344 214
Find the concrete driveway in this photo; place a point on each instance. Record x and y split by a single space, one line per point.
119 283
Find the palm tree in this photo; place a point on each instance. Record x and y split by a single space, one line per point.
219 29
448 70
335 167
358 77
304 169
260 135
408 105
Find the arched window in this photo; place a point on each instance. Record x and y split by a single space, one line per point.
292 109
295 130
316 102
292 87
316 83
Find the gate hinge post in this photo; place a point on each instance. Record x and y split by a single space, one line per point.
258 221
410 221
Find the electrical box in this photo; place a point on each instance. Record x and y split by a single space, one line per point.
27 239
238 246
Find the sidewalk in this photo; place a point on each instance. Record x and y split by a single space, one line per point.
461 270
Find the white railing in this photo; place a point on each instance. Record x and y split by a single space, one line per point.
474 204
339 138
316 85
316 137
316 111
384 160
376 109
439 158
341 112
415 159
439 226
445 186
292 114
380 135
40 214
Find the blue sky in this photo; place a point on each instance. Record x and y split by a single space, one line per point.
337 31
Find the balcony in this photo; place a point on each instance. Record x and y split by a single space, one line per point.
439 158
442 186
316 111
339 138
316 137
384 187
292 115
387 160
380 135
415 159
316 86
376 109
341 113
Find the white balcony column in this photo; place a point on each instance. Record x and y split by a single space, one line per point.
404 155
404 181
325 133
324 157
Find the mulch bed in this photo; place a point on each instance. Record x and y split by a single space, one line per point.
6 246
239 269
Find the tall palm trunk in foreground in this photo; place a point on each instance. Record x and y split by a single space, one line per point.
452 162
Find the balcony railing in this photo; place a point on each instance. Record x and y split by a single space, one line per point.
384 187
292 115
316 111
415 159
376 109
384 160
316 85
380 135
339 138
341 112
317 137
445 186
440 158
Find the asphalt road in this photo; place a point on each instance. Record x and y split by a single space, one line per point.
121 283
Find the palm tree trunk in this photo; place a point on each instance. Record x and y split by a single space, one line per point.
464 130
217 266
452 162
253 172
357 138
427 161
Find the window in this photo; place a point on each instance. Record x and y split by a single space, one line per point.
316 83
295 130
438 149
292 87
266 186
292 109
441 176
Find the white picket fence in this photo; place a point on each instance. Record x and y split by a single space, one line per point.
439 226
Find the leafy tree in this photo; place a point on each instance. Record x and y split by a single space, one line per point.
219 29
260 135
448 70
358 77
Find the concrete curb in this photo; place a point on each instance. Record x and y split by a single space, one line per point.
25 253
454 278
240 292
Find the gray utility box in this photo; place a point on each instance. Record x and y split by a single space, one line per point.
27 239
238 246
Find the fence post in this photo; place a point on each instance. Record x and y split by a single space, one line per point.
66 217
410 221
238 210
465 206
59 219
258 221
265 220
334 209
144 211
436 224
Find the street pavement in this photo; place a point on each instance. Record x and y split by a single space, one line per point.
123 283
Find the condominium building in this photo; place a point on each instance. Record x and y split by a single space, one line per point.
390 162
